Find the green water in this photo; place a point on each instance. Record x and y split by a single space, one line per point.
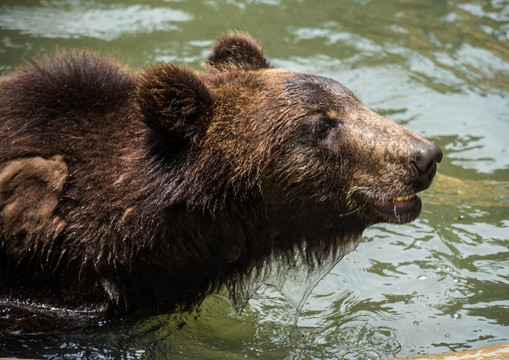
440 67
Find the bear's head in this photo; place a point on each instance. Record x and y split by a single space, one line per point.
298 147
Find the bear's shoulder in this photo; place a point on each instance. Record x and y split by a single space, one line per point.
69 82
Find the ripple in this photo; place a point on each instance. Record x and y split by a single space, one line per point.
105 23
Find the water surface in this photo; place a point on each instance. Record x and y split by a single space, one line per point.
440 67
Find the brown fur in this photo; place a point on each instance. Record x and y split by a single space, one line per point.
122 191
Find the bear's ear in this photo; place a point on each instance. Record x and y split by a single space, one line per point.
236 51
174 101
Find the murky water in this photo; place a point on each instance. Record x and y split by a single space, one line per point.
440 67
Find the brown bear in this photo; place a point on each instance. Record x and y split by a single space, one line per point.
124 191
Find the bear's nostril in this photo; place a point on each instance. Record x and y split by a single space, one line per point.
415 168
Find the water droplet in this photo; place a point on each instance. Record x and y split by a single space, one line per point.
294 332
447 335
416 323
422 277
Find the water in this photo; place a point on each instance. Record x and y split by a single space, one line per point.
293 279
440 67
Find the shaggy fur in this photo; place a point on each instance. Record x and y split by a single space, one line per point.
124 191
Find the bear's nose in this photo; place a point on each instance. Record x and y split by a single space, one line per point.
425 163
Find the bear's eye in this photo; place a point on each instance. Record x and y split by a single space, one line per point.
322 126
315 129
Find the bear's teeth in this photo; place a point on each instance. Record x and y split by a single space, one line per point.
404 198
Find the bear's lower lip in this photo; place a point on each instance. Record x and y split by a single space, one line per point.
400 209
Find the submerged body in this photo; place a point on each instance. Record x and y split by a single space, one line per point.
123 192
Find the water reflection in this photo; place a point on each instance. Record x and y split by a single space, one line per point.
439 41
449 190
75 19
437 281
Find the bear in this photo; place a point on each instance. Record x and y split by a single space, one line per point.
128 191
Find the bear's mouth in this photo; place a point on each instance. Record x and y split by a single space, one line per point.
399 209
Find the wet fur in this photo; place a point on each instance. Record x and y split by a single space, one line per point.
123 191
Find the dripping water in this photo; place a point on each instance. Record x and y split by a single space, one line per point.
294 277
396 215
